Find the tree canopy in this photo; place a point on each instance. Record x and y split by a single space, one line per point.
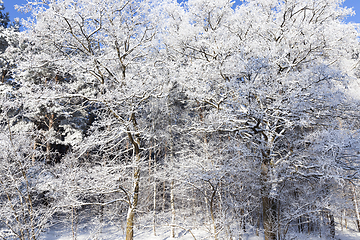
147 112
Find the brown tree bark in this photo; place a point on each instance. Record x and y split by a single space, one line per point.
132 208
332 225
355 206
136 182
3 75
269 206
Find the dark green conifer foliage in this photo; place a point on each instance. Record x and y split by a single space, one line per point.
4 16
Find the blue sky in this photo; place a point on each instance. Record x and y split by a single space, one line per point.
9 7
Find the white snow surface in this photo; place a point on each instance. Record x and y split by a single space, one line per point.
163 233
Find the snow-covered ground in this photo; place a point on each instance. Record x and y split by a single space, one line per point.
163 233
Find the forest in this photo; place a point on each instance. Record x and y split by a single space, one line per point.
120 116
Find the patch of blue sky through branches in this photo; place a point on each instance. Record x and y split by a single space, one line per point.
9 7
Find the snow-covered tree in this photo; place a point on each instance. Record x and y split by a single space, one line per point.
243 112
274 72
4 16
111 48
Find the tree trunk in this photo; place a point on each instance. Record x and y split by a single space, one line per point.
154 199
172 203
172 183
130 224
332 226
133 205
346 221
356 207
3 75
269 216
213 214
269 206
48 144
33 155
136 181
74 222
163 196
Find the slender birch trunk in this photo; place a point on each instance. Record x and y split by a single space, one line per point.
172 204
346 226
154 211
73 223
356 207
154 198
207 204
163 197
213 214
33 155
172 183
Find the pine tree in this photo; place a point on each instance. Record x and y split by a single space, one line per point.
4 16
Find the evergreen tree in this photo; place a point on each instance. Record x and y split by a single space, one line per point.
4 16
